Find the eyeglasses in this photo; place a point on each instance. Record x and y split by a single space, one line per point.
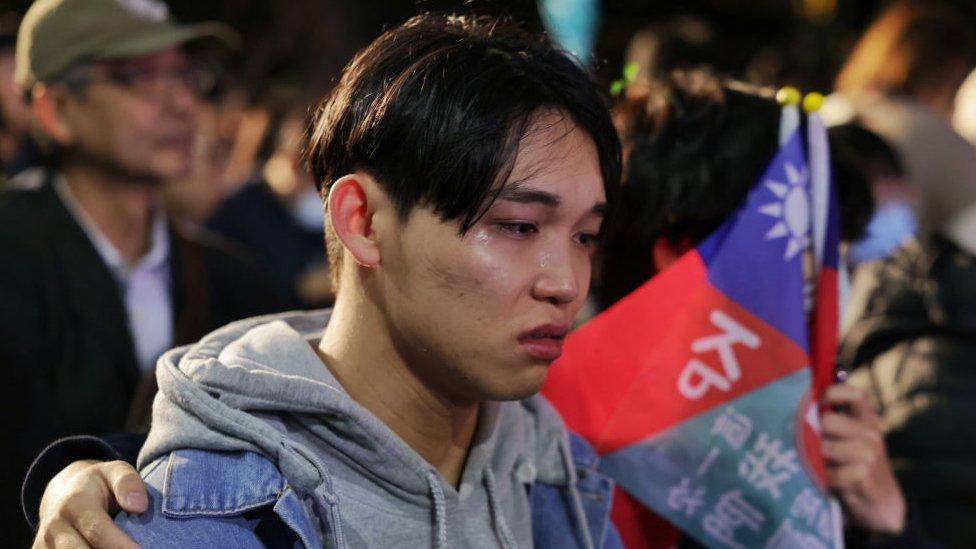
146 82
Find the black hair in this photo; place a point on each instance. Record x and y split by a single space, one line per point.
694 149
435 109
858 158
696 146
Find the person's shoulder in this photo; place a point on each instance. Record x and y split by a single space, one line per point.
22 199
253 197
200 498
26 219
235 274
215 246
893 283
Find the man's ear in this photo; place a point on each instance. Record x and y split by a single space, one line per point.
47 104
351 215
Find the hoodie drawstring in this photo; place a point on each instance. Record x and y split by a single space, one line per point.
322 494
440 511
497 519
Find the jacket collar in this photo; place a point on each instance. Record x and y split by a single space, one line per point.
93 292
235 482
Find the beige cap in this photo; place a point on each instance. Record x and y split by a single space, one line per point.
55 34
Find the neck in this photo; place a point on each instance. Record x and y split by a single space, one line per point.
362 356
121 208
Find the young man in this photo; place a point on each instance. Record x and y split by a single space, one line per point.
467 168
94 282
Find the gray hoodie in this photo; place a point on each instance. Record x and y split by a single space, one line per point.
258 385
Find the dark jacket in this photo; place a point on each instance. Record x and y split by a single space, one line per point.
256 218
912 347
65 348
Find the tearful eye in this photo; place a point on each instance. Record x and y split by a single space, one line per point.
517 228
588 239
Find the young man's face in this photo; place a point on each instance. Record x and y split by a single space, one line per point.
136 115
481 316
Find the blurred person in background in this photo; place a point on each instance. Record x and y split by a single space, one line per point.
18 151
192 198
909 339
683 42
277 213
901 82
696 146
911 331
862 155
95 283
909 344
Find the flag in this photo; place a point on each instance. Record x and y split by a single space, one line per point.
697 389
830 278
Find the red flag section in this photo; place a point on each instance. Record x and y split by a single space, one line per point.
646 363
824 330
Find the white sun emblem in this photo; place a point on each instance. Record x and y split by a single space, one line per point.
792 210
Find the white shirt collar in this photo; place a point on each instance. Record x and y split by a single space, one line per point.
155 258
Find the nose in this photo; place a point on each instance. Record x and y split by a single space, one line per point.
181 97
561 276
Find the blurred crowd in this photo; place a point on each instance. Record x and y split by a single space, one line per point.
147 200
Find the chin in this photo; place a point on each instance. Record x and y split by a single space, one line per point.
522 386
172 163
174 171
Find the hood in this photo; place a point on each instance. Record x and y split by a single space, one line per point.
230 391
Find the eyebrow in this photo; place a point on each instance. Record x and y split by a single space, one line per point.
516 192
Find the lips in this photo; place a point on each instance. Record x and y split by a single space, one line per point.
544 342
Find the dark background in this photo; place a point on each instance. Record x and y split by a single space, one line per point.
302 44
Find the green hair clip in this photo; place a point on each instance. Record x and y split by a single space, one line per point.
630 74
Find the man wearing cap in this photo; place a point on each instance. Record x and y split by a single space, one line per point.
94 282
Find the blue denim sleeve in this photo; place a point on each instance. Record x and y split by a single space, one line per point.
153 528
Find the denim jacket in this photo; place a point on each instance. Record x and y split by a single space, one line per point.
242 500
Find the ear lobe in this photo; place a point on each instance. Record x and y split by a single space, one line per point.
47 105
350 214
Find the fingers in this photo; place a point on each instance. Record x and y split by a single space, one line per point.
93 531
848 478
57 535
858 470
127 486
836 425
850 399
76 504
83 529
849 452
100 531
